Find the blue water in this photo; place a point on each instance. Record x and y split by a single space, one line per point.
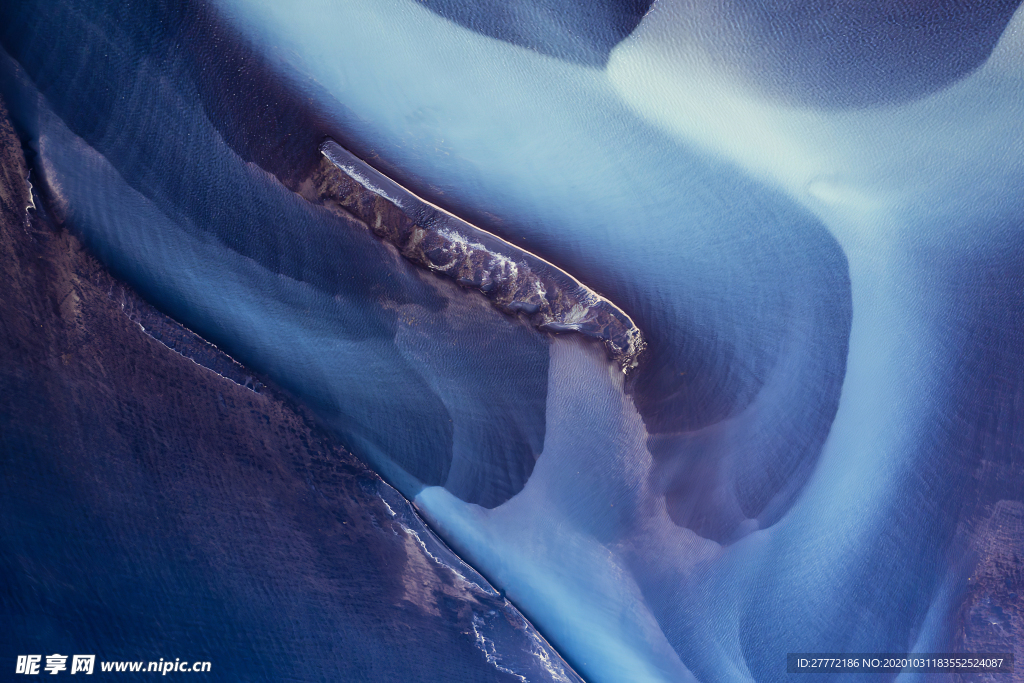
827 295
584 33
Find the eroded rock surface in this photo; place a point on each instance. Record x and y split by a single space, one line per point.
514 280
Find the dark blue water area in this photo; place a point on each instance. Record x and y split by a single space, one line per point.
575 31
163 200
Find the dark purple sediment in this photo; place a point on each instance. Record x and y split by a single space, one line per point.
514 280
991 615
